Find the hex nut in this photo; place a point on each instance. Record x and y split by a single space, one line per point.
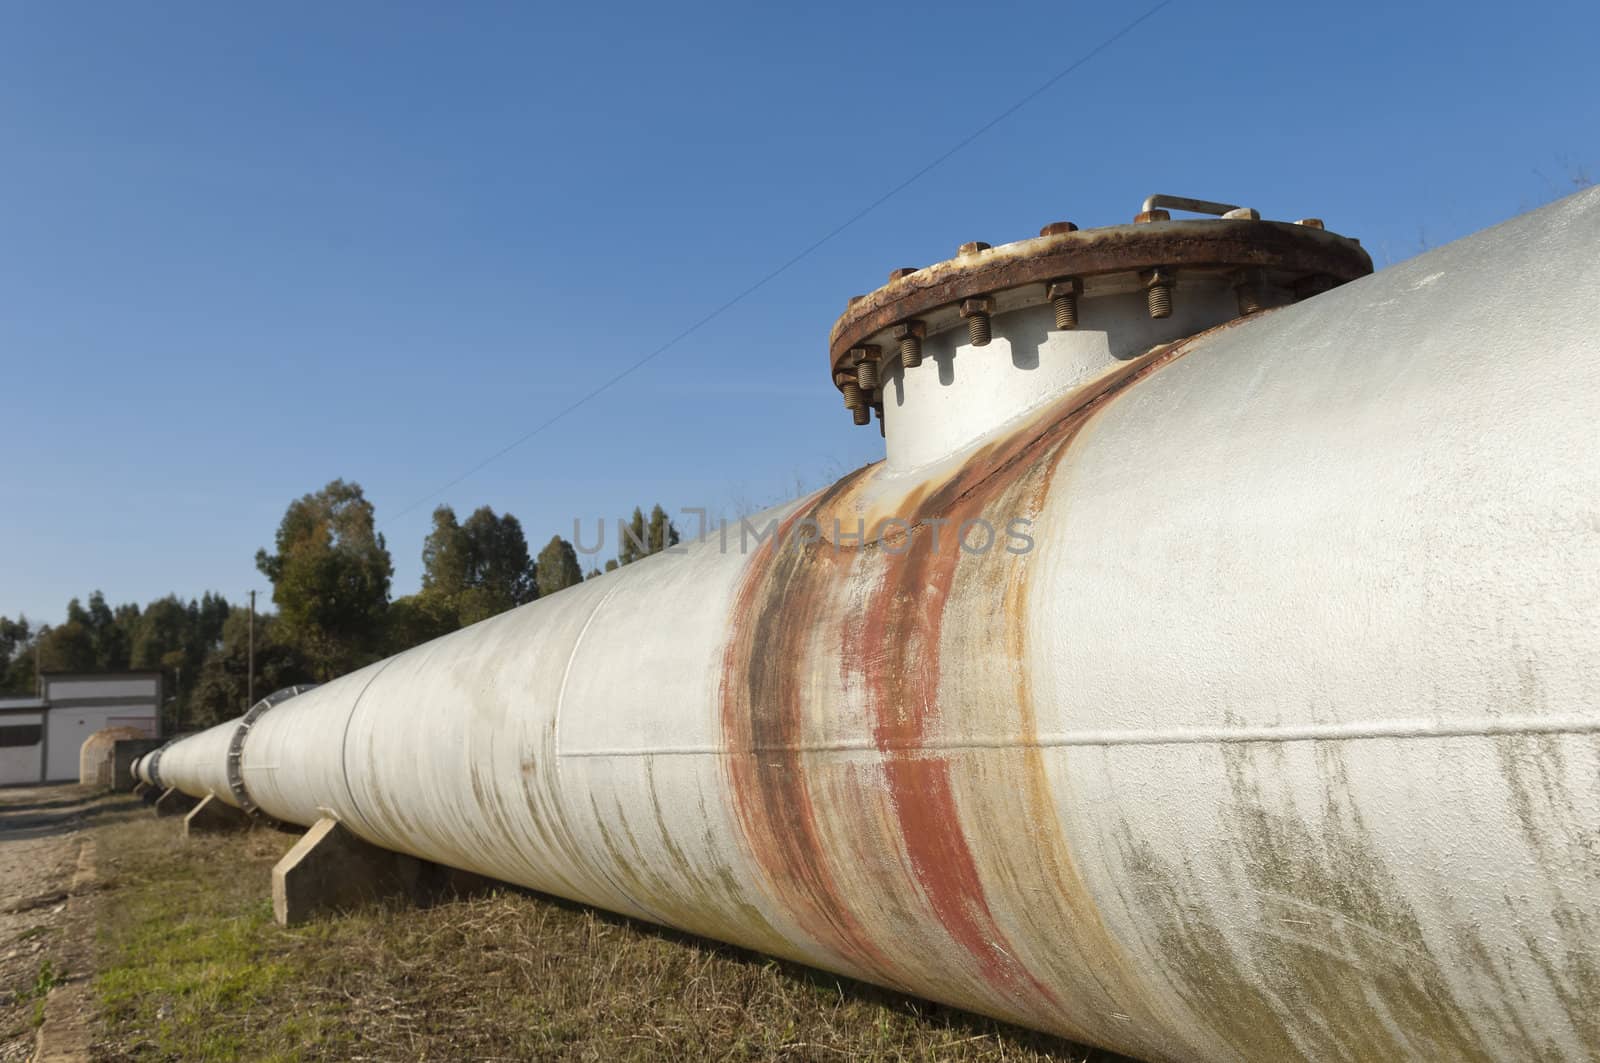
973 248
1058 228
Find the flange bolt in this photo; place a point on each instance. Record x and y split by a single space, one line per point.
1063 295
910 334
1247 287
866 363
1158 290
977 311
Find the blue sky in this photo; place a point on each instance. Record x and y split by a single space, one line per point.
244 251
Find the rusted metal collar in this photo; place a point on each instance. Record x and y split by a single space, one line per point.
1273 263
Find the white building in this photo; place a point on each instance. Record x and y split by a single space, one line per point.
40 737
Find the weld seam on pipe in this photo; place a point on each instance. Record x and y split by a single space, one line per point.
344 751
1335 732
598 867
572 659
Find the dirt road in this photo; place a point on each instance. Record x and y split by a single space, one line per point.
46 933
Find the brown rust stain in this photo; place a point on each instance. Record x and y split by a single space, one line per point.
763 698
894 651
992 469
1105 981
878 610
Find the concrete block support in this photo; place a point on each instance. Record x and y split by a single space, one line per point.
331 870
174 803
212 816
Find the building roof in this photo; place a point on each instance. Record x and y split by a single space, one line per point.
22 703
137 673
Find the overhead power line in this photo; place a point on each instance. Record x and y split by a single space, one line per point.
787 265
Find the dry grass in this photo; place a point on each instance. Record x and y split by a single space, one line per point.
192 967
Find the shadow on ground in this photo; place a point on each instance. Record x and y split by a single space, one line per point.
81 807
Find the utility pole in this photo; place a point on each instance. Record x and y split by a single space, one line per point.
250 690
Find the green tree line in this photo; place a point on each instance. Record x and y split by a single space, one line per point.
330 570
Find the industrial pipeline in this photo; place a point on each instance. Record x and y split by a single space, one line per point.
1278 742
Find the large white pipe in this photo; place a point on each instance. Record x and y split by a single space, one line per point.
1280 743
198 765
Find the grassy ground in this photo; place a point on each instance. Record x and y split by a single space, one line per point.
192 967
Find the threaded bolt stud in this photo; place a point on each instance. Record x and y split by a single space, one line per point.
861 415
978 330
977 311
1066 308
1248 290
1063 296
853 399
911 351
1249 299
866 363
1158 290
910 334
867 374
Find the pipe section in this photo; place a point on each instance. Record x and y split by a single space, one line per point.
1279 743
198 764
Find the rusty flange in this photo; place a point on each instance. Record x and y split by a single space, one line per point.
1297 258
